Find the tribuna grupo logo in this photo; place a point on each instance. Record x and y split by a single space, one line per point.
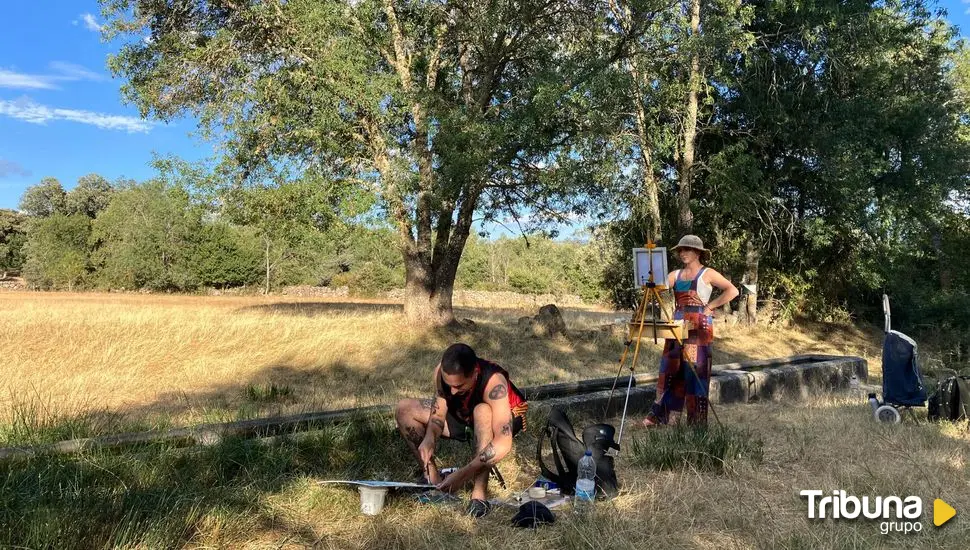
900 515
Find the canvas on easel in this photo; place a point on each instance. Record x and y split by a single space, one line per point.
646 260
650 273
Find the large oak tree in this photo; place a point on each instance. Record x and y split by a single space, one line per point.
448 112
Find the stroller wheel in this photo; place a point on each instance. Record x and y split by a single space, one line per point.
888 414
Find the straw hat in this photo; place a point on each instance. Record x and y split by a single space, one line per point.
695 242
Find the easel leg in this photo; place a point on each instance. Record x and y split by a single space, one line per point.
637 315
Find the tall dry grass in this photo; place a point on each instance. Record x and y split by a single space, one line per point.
186 359
181 359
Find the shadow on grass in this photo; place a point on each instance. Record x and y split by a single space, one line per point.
166 497
236 493
290 385
314 309
399 372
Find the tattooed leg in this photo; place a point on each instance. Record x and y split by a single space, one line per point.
483 448
412 422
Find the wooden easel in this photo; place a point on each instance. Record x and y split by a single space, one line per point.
664 328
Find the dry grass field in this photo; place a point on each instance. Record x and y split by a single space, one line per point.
79 364
187 359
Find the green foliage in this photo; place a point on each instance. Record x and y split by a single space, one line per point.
89 197
226 255
13 237
836 143
289 219
443 114
144 238
57 251
532 265
363 140
695 448
44 199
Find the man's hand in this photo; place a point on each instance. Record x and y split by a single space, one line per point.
426 451
456 480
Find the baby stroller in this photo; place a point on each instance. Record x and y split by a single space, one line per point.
902 383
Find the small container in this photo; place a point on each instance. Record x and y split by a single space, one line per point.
537 492
371 499
546 484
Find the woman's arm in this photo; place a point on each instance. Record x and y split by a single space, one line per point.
728 291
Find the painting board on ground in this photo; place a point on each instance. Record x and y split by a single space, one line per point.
379 483
645 260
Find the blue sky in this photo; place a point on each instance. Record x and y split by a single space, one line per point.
61 113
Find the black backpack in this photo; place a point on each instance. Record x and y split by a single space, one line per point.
951 400
567 449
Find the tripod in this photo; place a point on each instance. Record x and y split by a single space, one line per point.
665 328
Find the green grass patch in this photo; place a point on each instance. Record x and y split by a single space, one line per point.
268 393
160 496
698 448
31 422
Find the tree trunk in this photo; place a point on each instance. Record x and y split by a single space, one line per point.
750 281
425 303
267 267
648 209
685 218
649 189
430 278
941 260
429 289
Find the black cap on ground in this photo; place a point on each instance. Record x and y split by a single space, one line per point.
533 514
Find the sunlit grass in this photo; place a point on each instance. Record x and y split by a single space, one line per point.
76 365
188 359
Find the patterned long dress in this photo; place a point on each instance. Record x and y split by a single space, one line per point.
678 386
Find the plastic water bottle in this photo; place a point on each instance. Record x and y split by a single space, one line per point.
874 403
586 483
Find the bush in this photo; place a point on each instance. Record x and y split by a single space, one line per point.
13 238
144 238
369 279
697 448
57 251
226 256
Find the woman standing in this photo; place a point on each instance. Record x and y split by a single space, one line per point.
679 385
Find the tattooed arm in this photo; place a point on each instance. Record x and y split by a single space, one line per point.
497 397
437 408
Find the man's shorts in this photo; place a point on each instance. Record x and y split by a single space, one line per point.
466 432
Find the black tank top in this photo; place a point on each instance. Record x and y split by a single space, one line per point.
463 406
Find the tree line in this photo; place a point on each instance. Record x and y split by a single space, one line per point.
820 146
163 235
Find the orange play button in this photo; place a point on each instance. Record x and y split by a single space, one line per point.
942 512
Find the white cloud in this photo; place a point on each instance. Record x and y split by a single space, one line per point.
91 22
30 111
63 72
70 71
10 79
